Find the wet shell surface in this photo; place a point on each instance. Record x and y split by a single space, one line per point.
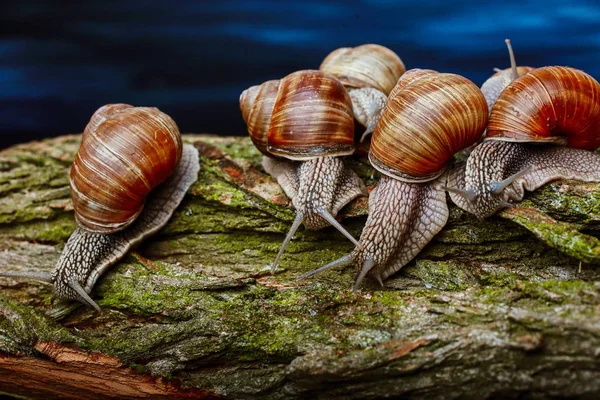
256 104
549 104
369 65
425 123
125 152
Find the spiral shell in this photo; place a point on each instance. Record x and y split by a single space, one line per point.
257 104
307 114
499 81
549 104
409 77
369 65
424 124
125 152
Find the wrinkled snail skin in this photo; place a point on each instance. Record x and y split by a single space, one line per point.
429 118
128 177
405 217
541 128
323 183
302 124
512 168
88 255
369 72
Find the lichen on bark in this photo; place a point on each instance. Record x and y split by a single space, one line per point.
506 307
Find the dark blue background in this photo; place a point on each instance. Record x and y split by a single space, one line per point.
61 60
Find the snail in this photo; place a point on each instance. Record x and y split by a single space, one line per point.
492 87
128 177
369 72
541 128
428 117
303 123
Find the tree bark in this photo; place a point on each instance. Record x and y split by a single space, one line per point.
502 308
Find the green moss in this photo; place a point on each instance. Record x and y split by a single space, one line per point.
24 326
442 275
560 235
558 198
53 230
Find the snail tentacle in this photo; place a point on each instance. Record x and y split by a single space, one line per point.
327 216
403 218
367 265
528 167
340 262
88 255
288 238
39 276
83 297
318 188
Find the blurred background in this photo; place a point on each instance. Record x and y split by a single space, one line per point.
60 61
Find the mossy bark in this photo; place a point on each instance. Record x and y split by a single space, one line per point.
502 308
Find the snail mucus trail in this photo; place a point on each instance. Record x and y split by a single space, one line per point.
126 153
302 124
428 117
544 126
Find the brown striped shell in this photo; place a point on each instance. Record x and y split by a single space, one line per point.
424 124
409 77
257 104
369 65
125 152
495 84
307 115
549 104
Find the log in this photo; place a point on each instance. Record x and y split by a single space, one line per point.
508 307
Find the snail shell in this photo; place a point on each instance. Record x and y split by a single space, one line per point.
305 115
425 123
549 104
256 104
125 152
369 65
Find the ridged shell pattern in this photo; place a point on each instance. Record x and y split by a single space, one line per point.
369 65
312 117
125 152
424 124
549 104
492 87
257 104
409 77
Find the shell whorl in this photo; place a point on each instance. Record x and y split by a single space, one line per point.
125 152
549 104
305 115
368 65
425 123
256 104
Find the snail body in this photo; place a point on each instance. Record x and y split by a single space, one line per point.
302 124
123 149
428 118
542 128
369 72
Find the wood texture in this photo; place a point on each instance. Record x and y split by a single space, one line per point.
489 309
